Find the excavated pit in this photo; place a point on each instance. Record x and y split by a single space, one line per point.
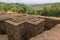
24 27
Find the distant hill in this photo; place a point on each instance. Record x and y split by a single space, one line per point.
41 6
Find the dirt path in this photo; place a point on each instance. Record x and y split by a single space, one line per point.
53 34
3 37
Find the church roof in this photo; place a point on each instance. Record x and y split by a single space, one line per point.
33 19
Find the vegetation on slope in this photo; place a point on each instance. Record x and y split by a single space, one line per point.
54 10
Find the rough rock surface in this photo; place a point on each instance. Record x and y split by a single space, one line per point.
3 37
52 34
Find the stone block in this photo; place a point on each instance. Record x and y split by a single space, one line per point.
24 27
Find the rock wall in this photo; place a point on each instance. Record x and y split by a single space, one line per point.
24 31
50 21
2 27
32 30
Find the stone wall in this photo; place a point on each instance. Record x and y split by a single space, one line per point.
31 30
50 21
2 27
24 31
14 32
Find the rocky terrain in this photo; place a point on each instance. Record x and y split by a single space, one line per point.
52 34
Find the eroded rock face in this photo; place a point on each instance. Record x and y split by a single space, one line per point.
2 27
50 22
24 27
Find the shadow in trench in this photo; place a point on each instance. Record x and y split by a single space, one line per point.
49 27
2 32
29 36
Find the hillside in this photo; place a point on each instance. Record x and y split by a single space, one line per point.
41 6
50 9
